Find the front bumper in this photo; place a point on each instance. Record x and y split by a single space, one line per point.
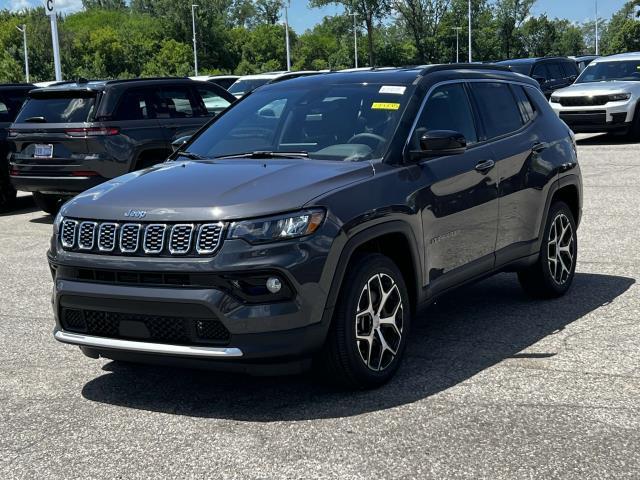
606 118
56 184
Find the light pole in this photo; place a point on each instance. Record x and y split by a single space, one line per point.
457 29
597 40
26 51
195 48
355 40
286 33
470 56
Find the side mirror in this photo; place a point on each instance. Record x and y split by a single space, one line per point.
573 78
437 143
178 143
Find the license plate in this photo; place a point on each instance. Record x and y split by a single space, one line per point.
43 151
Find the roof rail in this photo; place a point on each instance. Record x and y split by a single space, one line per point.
463 66
143 79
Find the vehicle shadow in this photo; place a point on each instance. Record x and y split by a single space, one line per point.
606 139
453 340
23 204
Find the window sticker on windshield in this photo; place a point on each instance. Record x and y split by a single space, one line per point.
384 106
394 89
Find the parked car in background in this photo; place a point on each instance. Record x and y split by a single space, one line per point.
584 60
249 83
311 220
552 73
225 81
604 98
12 96
70 137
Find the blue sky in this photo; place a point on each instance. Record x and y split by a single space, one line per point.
301 17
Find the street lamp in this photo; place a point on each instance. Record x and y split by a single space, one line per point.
26 51
195 48
597 41
355 40
470 59
457 29
286 33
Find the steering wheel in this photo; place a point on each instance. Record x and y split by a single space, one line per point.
367 136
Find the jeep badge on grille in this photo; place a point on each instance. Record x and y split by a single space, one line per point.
135 214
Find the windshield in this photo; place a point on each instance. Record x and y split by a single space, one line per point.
329 122
245 86
609 71
523 68
57 109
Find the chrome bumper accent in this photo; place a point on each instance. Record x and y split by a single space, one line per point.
144 347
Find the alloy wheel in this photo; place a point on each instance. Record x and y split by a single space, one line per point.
379 321
561 249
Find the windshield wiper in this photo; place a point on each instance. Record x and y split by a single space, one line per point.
266 154
191 156
35 120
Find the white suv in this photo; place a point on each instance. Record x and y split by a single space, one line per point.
604 98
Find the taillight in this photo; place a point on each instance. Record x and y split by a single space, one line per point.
14 171
92 132
84 173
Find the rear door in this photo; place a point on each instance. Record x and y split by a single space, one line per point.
542 74
461 218
557 77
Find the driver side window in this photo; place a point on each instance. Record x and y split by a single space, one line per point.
448 108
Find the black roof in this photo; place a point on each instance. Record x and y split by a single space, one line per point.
528 61
16 86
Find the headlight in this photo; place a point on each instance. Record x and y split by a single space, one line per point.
57 222
618 97
554 99
282 227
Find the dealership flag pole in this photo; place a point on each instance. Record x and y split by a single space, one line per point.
457 29
50 10
355 40
195 48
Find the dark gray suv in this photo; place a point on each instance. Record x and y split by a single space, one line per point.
312 219
73 136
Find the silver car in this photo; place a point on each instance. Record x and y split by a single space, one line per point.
604 98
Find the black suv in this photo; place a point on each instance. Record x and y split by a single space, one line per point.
552 73
313 218
12 96
73 136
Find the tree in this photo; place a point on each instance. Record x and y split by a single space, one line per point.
368 11
268 11
422 20
510 15
173 58
104 4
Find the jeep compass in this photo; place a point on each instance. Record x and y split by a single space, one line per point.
308 223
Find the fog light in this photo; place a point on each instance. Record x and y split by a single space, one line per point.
274 285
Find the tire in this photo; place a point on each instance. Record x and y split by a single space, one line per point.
7 194
634 130
48 203
364 363
551 278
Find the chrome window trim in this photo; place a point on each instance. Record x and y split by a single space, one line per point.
149 251
115 236
463 81
93 235
125 250
181 252
208 251
75 228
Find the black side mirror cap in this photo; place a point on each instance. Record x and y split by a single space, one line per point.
439 143
179 142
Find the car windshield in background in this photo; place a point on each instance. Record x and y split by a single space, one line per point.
329 122
609 71
56 109
243 86
523 68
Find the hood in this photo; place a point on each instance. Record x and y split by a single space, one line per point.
598 88
215 190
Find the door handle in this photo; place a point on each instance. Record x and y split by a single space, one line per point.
485 166
539 147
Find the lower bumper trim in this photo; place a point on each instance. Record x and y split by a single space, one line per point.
145 347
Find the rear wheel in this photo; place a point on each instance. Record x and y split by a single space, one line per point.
7 193
552 274
368 334
47 202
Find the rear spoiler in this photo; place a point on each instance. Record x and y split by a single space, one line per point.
63 92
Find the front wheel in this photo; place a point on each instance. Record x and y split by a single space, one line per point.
48 203
552 274
369 330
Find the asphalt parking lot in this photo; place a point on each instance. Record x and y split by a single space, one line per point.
494 386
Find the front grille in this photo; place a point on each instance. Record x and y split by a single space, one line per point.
138 239
584 101
150 328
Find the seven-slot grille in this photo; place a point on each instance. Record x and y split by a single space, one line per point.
141 239
584 101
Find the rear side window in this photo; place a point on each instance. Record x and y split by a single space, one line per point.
213 103
135 104
524 103
4 112
175 102
57 109
448 108
497 107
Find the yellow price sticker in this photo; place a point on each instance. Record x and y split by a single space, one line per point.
384 106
